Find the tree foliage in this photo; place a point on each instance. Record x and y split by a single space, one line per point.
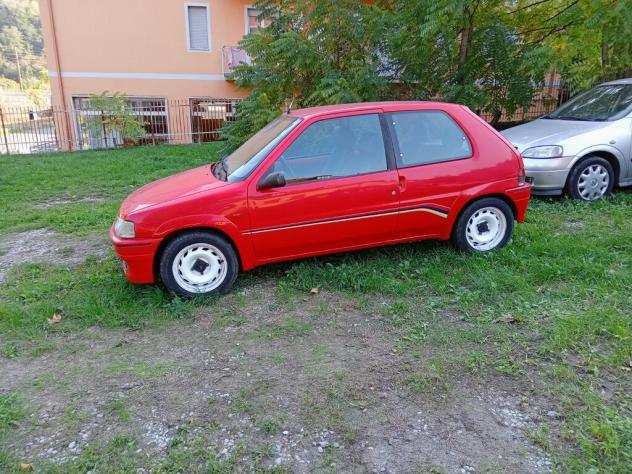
314 52
114 117
463 51
590 40
21 40
488 54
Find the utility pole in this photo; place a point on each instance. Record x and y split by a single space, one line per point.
17 61
4 130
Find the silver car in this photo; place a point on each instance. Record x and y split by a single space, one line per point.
584 148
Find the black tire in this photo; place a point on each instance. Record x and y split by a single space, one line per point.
575 176
460 231
183 241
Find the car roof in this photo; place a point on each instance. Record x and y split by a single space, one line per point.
360 106
626 80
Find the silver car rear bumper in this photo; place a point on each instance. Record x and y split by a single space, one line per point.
549 175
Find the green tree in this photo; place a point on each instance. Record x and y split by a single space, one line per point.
591 40
466 51
313 53
490 55
21 41
113 118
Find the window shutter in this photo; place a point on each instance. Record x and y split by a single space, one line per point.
198 28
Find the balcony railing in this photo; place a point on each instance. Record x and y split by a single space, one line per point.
233 56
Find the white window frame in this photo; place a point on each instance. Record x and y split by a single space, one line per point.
208 23
246 19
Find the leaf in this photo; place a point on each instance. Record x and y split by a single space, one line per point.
56 318
26 466
314 291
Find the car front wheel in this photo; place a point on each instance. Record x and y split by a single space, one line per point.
484 225
198 263
591 179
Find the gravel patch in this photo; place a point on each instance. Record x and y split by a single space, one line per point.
62 201
330 398
47 246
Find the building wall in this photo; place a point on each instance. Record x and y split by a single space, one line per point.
138 47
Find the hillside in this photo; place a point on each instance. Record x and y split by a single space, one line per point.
21 36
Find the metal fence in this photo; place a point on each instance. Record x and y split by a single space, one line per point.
84 127
25 130
546 99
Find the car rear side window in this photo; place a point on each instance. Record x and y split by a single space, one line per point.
428 136
335 148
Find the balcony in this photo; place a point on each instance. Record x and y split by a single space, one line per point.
233 56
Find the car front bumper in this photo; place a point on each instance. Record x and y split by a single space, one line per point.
548 175
137 257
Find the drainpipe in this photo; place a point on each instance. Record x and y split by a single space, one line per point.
59 75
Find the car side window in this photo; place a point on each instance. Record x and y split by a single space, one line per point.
428 136
335 148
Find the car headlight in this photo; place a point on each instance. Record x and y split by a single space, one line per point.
548 151
124 229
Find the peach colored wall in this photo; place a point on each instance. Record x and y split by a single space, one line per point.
140 37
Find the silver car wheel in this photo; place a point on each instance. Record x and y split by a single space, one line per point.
486 229
593 182
199 268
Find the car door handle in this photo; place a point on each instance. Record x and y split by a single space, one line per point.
402 183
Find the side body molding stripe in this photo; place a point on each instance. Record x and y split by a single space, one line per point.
437 211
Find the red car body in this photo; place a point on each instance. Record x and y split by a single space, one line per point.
324 216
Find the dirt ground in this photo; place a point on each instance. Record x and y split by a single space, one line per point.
47 246
310 384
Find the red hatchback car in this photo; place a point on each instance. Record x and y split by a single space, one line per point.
323 180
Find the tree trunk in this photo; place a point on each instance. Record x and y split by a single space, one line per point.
604 55
466 37
496 116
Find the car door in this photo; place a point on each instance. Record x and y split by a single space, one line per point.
432 155
340 191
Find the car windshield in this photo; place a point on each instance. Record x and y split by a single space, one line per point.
607 102
240 163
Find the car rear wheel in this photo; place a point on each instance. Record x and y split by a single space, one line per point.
485 225
591 179
198 263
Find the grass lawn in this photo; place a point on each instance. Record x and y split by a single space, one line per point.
553 309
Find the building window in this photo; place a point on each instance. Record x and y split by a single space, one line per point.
208 117
198 27
93 130
254 20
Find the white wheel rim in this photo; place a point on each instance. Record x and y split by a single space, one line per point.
199 268
486 229
593 182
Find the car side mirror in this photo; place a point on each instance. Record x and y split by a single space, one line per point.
273 180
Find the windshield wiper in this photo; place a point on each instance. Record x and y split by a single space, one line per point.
579 119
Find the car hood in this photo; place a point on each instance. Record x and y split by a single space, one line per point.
173 187
549 132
